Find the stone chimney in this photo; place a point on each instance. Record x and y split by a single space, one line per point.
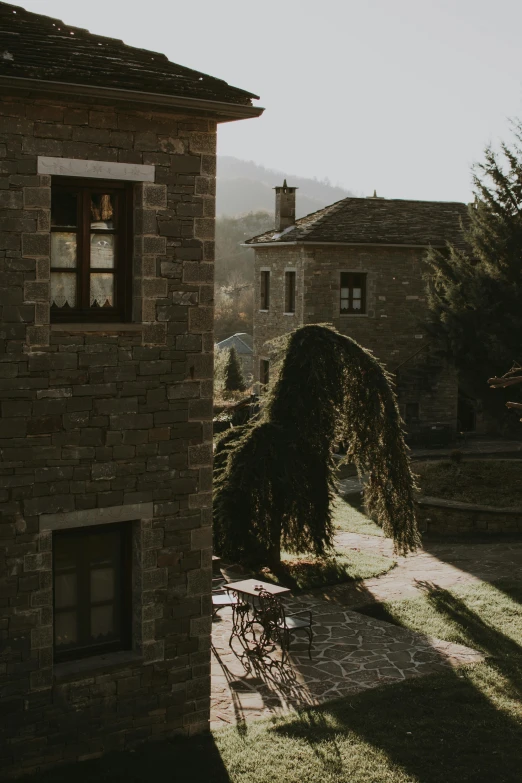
284 207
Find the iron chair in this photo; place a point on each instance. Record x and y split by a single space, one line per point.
277 626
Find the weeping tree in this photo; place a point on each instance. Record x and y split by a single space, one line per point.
274 477
233 373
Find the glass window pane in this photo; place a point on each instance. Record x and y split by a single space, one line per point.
64 590
63 209
102 584
102 211
63 289
102 251
63 249
356 304
102 621
345 292
65 628
356 293
102 289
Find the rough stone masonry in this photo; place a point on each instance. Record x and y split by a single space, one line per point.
107 423
107 419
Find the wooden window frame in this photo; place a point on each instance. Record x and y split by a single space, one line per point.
351 280
290 291
265 290
84 649
123 199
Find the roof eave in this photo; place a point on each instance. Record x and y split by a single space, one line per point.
258 245
221 110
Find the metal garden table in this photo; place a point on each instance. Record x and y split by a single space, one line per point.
245 612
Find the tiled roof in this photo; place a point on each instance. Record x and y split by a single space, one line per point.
39 47
241 341
377 221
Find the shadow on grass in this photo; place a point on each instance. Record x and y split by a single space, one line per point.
180 760
444 728
504 654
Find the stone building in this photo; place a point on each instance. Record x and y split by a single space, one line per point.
358 264
107 192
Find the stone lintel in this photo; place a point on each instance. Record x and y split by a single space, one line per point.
96 516
96 169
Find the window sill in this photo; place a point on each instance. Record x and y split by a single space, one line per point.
72 670
95 327
264 311
353 315
288 313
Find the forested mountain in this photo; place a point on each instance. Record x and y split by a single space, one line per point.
234 274
243 186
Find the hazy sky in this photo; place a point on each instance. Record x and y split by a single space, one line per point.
397 95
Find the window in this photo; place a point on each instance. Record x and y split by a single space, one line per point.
265 290
91 247
289 292
353 293
92 588
264 372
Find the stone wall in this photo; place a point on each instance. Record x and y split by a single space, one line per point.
395 302
446 517
102 423
275 322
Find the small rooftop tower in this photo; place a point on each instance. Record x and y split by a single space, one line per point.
284 207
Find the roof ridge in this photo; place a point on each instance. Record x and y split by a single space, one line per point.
356 220
242 341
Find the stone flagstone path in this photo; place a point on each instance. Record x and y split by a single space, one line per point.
351 653
443 563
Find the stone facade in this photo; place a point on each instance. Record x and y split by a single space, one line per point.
104 423
390 327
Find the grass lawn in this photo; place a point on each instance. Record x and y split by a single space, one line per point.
302 573
345 565
461 726
348 519
485 482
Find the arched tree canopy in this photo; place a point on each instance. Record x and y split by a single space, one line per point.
274 477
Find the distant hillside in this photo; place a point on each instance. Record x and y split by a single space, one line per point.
243 186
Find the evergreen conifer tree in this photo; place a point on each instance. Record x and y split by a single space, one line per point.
234 380
475 296
274 476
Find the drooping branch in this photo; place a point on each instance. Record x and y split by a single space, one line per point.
274 478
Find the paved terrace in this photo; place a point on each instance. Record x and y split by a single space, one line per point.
351 653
